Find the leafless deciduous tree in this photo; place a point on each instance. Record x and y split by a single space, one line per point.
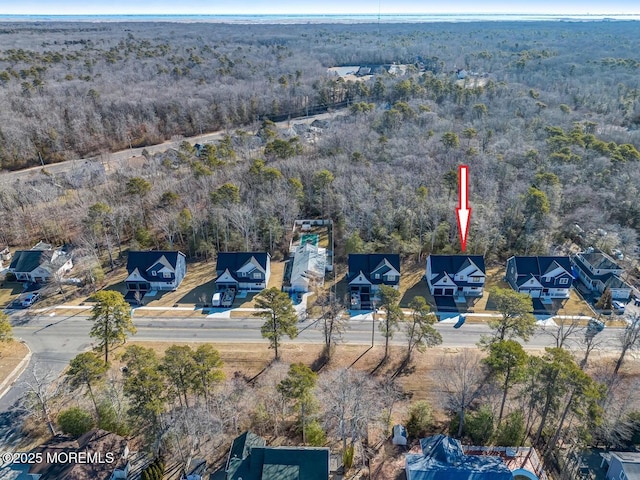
42 390
461 381
564 328
629 340
350 403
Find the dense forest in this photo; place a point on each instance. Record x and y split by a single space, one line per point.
548 126
546 116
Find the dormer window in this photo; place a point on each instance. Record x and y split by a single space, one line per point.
166 275
564 281
154 273
256 275
376 276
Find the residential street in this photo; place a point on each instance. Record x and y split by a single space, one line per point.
54 340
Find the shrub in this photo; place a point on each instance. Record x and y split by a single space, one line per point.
316 437
420 419
347 457
75 421
511 431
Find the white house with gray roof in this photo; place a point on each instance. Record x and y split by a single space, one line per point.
598 271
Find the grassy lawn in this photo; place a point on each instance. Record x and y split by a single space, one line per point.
412 284
277 275
11 354
9 292
575 305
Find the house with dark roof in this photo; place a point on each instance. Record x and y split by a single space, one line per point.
248 271
250 459
105 454
458 276
443 458
160 270
544 277
367 272
598 271
41 264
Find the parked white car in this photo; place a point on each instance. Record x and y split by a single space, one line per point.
30 299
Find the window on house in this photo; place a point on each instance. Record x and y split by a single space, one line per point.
376 276
166 275
392 278
154 273
476 279
564 281
256 275
242 274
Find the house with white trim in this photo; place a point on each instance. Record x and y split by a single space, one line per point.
367 272
248 271
458 276
160 270
40 264
543 277
598 271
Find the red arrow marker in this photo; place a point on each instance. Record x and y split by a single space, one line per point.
463 212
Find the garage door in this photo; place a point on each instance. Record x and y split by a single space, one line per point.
448 291
437 291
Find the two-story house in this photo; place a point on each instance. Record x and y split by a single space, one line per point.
544 277
367 272
41 264
248 271
598 271
160 270
458 276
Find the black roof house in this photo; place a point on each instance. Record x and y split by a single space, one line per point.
452 264
152 261
536 267
234 261
366 264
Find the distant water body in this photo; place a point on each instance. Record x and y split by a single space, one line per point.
303 19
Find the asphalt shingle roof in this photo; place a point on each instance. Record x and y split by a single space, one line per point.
143 261
235 260
537 266
452 264
368 262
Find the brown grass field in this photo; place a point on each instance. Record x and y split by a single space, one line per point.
11 354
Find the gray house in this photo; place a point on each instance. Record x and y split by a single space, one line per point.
598 271
624 466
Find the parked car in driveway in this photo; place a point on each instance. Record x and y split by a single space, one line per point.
30 299
618 307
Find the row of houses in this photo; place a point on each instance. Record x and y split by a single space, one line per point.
460 278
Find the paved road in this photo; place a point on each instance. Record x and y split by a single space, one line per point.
111 160
54 340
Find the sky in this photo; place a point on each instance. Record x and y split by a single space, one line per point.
314 7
